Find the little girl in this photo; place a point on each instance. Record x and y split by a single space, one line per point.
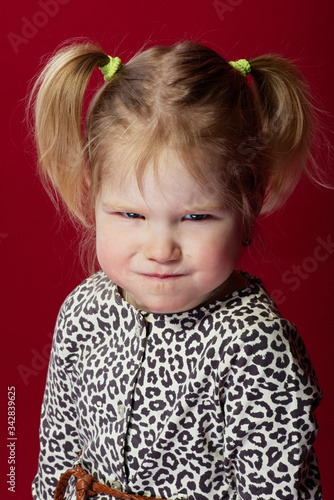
172 374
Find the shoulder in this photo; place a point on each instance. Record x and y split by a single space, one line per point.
246 316
97 287
250 309
260 340
253 297
83 310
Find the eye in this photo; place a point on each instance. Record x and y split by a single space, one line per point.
196 216
131 215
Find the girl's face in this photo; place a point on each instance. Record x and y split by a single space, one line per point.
170 244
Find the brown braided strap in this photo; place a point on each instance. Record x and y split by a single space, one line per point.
88 485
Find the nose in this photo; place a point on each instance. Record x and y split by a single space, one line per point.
162 248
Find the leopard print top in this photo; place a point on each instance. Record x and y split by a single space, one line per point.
215 403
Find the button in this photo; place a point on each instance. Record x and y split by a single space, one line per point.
116 485
120 410
138 330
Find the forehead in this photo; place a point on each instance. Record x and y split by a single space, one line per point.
166 179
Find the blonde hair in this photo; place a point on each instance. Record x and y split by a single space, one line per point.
248 139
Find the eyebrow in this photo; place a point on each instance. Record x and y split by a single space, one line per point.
203 208
186 209
119 207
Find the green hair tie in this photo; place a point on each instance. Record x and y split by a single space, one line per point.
111 68
242 65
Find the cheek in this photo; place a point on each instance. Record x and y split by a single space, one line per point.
108 250
114 249
104 254
216 257
112 262
219 248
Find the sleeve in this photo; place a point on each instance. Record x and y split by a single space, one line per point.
59 440
269 394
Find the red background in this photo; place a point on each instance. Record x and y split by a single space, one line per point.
38 253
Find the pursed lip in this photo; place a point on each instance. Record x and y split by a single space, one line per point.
161 276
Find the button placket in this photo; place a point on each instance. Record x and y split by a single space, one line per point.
139 337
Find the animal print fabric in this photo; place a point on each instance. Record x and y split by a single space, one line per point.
215 403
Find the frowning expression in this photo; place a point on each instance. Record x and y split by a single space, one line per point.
168 244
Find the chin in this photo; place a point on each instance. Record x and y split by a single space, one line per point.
164 307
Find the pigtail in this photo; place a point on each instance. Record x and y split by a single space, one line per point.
287 120
57 99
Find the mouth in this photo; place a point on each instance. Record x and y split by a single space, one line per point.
162 276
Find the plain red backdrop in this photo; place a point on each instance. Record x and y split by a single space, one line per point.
38 253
